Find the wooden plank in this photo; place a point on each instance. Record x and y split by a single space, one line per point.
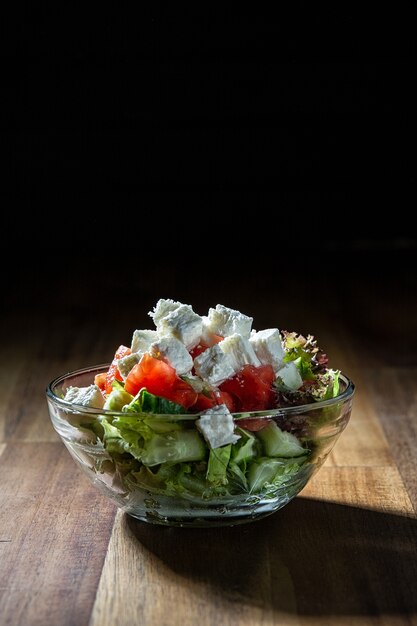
25 413
374 488
11 367
319 559
23 410
393 392
363 442
54 530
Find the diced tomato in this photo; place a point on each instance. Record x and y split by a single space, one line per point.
161 379
183 394
113 371
100 380
157 376
227 399
204 402
251 388
199 349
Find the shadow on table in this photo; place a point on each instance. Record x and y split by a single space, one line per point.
312 557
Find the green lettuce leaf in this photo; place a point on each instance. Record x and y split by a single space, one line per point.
187 480
268 473
236 478
246 448
145 402
217 465
308 357
116 441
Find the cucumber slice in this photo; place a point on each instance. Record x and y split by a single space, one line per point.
175 446
217 465
277 442
117 399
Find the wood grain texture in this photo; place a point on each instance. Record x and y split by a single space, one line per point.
309 564
54 529
344 553
394 394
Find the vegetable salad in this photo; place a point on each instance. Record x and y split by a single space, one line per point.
180 404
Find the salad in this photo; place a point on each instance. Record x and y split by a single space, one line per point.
181 405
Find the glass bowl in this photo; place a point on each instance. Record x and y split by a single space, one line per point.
175 497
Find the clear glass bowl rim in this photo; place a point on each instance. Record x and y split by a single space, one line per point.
345 395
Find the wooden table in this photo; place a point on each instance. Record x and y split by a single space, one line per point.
343 552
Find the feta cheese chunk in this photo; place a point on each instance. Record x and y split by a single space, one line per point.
213 365
290 376
142 339
174 352
225 322
240 351
162 309
126 363
268 347
85 396
183 324
217 426
208 338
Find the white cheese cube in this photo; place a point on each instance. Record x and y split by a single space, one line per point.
183 324
290 376
217 426
142 339
208 337
240 351
268 347
85 396
225 322
213 365
126 363
174 352
162 309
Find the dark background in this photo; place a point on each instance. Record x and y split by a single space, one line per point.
204 151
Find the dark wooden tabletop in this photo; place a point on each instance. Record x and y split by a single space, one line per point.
343 552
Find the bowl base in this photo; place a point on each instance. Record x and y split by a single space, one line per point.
206 518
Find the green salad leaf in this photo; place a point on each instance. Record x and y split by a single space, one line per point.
265 472
145 402
117 399
217 465
305 352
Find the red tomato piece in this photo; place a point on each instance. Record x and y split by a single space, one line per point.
161 379
155 375
183 393
100 381
251 388
113 371
204 402
227 399
199 349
